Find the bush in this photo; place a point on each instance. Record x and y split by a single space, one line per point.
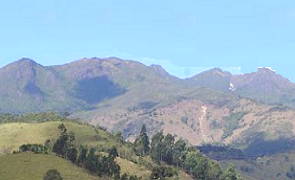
52 174
35 148
162 172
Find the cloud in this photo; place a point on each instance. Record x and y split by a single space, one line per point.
185 71
174 69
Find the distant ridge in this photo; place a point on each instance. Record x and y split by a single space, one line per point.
121 95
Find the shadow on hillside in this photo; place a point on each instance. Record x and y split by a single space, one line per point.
96 89
257 148
261 147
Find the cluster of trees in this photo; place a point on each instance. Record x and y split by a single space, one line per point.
35 148
177 153
95 162
64 145
99 164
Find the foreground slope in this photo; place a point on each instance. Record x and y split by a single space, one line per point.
29 166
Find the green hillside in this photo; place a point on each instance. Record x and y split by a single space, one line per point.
15 134
29 166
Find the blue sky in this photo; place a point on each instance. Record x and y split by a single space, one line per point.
185 37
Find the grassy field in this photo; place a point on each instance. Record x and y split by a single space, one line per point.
132 168
29 166
13 135
140 171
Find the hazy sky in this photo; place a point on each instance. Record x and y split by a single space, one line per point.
184 36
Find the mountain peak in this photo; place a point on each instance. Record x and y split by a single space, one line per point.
23 63
265 70
216 72
26 61
158 68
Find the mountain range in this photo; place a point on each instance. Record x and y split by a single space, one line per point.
212 107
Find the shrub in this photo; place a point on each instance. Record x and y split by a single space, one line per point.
52 174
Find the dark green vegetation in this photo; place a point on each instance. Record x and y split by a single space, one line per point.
98 164
162 172
142 144
177 153
35 148
52 174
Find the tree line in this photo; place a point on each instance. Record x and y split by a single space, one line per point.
165 148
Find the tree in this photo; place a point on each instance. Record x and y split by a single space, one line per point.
214 171
230 174
48 144
82 156
72 154
167 149
156 146
91 161
162 148
196 165
60 146
119 137
113 153
142 144
64 145
35 148
179 151
62 128
162 172
114 168
52 174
